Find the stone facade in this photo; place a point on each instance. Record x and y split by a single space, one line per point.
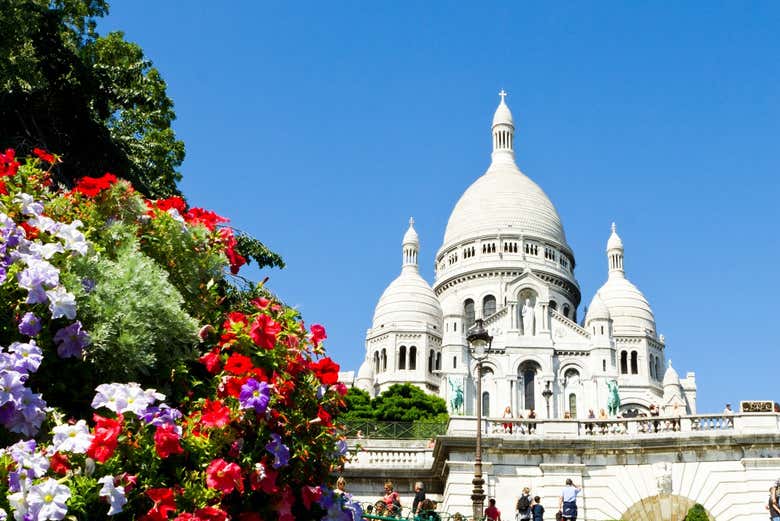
630 469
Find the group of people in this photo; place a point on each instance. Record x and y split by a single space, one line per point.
508 425
390 505
530 508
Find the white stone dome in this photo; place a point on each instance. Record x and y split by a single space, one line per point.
411 237
628 307
408 300
503 115
504 200
366 371
670 376
614 242
597 310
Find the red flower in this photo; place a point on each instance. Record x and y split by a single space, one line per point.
207 218
215 414
325 417
224 476
261 302
210 514
238 364
31 232
211 360
3 188
235 259
264 331
42 154
171 202
233 386
317 334
105 440
326 370
166 441
264 479
341 389
310 495
234 318
8 164
91 186
59 463
164 502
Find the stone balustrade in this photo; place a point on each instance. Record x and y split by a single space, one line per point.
644 426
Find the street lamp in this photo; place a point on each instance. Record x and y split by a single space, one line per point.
547 393
479 342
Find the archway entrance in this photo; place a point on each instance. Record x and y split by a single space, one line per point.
664 507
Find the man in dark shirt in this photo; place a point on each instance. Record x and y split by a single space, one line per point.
419 496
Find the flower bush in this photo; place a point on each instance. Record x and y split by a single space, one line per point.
140 380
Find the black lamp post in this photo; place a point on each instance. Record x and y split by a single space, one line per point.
547 393
479 341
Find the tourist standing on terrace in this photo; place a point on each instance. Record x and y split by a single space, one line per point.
774 508
419 497
391 499
491 512
567 503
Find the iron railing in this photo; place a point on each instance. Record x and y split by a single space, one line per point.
395 430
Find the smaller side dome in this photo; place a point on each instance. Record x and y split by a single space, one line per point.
597 310
670 376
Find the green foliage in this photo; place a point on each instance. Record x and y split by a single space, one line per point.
95 100
697 513
401 402
255 250
139 329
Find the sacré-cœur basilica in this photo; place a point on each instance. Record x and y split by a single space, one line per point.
505 259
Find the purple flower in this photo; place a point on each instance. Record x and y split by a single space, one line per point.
11 385
30 324
255 395
49 497
88 284
71 340
36 278
278 450
28 356
61 303
161 415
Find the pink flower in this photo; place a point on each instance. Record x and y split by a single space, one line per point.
224 476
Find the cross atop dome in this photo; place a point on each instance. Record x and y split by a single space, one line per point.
503 130
411 222
503 95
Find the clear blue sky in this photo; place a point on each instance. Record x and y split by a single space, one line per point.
320 127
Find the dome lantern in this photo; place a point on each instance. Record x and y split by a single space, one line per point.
615 254
503 131
411 247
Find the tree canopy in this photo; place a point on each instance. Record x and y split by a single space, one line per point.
401 402
95 100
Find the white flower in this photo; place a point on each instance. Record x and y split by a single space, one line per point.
74 240
72 438
122 398
47 250
115 495
49 498
109 396
29 205
46 224
61 303
19 505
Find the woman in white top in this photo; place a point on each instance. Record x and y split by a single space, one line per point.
567 503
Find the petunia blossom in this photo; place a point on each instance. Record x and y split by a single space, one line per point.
49 499
278 450
115 495
30 325
72 438
224 476
61 303
255 395
71 340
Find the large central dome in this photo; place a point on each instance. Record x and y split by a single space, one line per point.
504 200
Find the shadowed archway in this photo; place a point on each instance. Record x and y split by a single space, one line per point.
663 507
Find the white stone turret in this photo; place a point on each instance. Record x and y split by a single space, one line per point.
503 132
615 254
411 247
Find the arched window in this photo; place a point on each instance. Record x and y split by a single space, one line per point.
485 404
402 357
454 362
468 313
658 366
566 310
553 305
430 361
651 367
376 362
438 361
384 360
623 362
488 306
604 365
573 405
412 358
634 363
527 374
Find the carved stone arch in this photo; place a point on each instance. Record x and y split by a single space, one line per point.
526 359
669 507
570 364
528 281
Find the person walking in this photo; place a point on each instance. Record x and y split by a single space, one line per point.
774 508
537 510
491 512
567 503
392 500
524 505
419 497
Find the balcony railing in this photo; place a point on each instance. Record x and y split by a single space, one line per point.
396 430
